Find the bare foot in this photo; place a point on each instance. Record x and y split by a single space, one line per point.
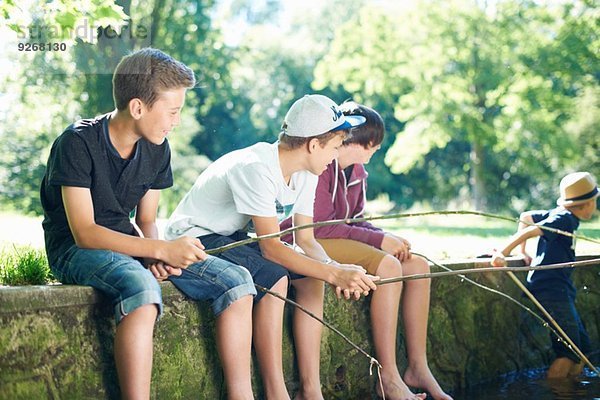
397 390
560 368
576 370
424 379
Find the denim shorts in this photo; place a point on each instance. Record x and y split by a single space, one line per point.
264 272
121 278
566 316
216 280
129 285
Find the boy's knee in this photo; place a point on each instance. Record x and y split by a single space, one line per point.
389 266
149 311
421 264
139 289
281 286
140 300
241 277
284 280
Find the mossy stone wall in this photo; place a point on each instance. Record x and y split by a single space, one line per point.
56 341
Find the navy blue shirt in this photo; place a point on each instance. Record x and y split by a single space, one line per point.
554 248
83 156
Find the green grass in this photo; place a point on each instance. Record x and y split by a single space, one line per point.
24 265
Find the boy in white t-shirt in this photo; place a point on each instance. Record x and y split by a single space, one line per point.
254 189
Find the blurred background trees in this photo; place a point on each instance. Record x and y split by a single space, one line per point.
487 104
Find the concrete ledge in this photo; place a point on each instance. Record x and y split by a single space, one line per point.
56 341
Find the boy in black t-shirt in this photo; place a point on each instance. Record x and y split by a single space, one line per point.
98 172
554 288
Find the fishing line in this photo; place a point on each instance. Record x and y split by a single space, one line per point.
449 271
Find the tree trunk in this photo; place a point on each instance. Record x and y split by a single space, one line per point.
476 180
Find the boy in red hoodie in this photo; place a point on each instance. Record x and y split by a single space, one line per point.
341 194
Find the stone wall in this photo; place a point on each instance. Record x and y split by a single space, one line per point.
56 341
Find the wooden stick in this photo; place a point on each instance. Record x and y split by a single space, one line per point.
221 249
423 276
592 262
544 323
372 359
566 337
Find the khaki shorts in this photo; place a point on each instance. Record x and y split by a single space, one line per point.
346 251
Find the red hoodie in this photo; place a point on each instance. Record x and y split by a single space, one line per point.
338 199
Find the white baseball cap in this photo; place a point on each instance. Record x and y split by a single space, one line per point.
315 114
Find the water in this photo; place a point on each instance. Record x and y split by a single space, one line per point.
533 385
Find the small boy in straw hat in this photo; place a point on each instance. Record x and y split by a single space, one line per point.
554 288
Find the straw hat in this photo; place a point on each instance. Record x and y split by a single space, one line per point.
577 188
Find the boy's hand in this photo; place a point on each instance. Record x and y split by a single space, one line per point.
396 246
161 271
352 280
182 252
356 294
498 259
526 259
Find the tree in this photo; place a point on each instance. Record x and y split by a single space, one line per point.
62 20
468 78
38 88
77 83
270 66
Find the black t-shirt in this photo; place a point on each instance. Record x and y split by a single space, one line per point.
83 156
554 248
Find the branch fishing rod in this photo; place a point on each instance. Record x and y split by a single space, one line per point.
230 246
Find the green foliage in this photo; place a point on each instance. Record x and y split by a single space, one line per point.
186 164
32 119
269 68
485 104
583 127
24 266
60 20
44 95
186 169
496 86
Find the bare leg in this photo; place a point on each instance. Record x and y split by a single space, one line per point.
384 322
307 337
560 368
267 332
133 352
576 369
415 313
234 340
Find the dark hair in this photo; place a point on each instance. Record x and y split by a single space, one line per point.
371 132
145 73
294 142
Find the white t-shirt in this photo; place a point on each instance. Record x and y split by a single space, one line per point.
239 185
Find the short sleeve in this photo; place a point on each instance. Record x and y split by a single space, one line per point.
254 190
72 163
554 221
305 201
164 178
